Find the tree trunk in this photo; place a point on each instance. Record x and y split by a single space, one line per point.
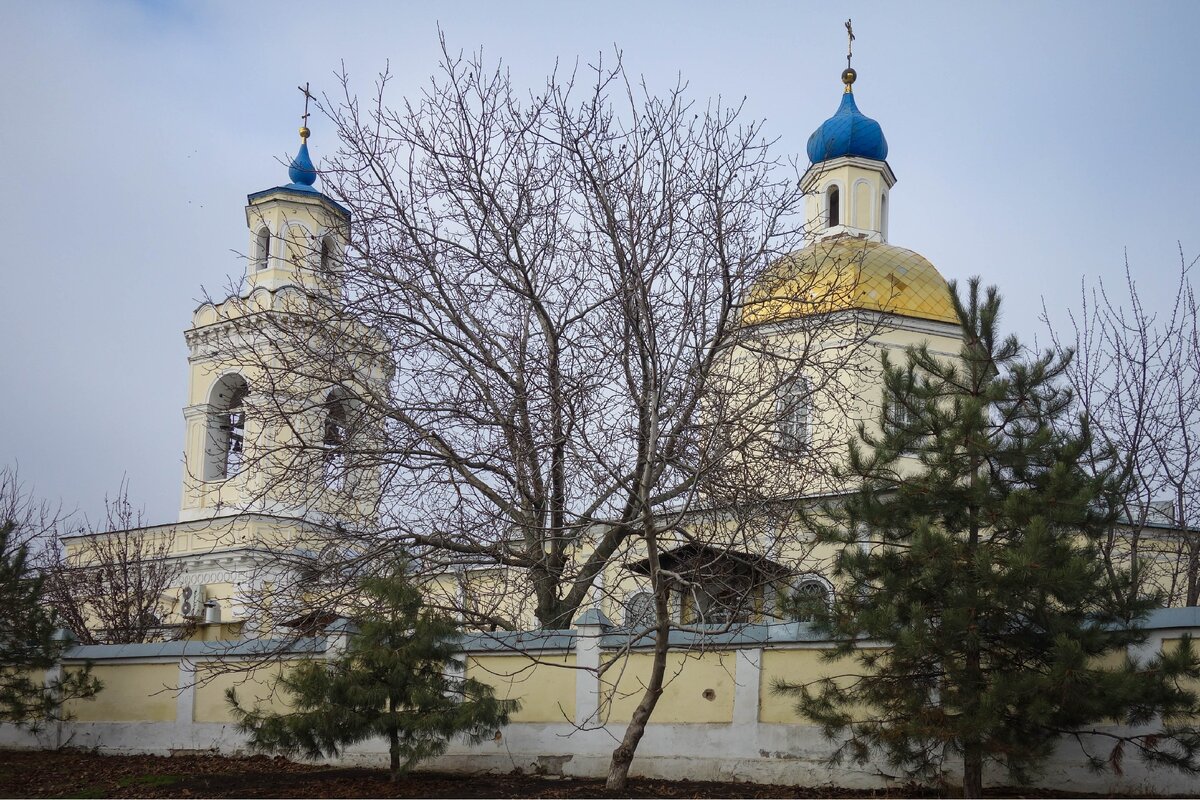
973 688
622 757
394 746
972 770
1193 573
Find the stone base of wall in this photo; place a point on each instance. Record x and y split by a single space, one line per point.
782 754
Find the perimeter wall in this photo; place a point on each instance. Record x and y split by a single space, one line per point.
718 718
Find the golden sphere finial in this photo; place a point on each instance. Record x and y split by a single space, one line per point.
848 77
304 132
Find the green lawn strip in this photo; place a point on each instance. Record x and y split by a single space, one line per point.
88 792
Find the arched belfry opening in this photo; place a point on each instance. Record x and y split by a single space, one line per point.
335 440
326 254
262 248
833 216
225 452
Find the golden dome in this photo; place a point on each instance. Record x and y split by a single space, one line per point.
846 272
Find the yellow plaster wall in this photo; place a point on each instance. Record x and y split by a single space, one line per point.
1169 646
131 693
254 688
546 687
1113 660
688 678
796 666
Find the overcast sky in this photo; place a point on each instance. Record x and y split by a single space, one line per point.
1035 145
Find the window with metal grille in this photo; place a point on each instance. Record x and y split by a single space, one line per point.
808 595
792 410
639 610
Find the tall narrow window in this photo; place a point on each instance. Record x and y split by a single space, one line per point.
832 204
326 254
226 451
262 248
792 406
336 438
904 421
883 216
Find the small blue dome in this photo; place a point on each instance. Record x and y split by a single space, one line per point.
847 133
302 172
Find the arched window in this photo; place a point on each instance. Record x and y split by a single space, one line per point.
262 248
833 206
883 216
226 428
639 610
335 440
792 407
811 593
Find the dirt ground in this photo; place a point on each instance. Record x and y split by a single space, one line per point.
85 774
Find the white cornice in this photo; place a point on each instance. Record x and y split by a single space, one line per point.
814 172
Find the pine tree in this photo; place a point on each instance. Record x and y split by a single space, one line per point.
29 644
973 599
391 680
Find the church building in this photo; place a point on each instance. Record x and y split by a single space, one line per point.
263 487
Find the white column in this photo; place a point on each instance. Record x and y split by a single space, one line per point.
747 676
185 703
588 630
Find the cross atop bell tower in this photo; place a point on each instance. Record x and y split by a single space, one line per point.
304 117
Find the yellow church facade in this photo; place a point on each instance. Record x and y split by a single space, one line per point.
264 489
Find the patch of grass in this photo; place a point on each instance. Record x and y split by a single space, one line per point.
148 780
88 792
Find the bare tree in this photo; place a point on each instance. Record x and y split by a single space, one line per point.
564 285
1135 374
108 583
30 644
35 522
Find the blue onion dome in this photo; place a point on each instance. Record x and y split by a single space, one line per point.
301 171
848 132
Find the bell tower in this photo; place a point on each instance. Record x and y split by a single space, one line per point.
264 434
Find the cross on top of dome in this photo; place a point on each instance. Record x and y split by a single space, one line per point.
848 132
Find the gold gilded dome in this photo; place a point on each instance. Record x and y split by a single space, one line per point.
846 272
